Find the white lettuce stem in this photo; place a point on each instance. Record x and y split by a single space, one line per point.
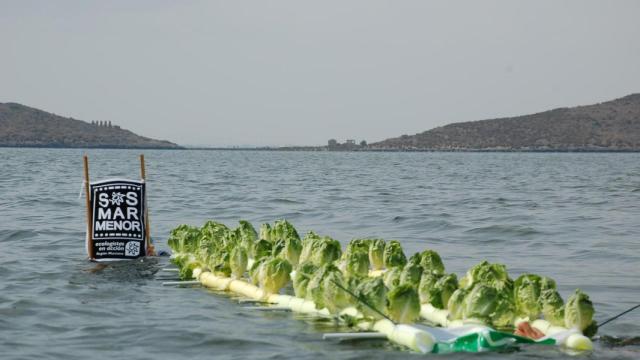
416 339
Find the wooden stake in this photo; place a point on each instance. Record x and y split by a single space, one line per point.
87 193
151 249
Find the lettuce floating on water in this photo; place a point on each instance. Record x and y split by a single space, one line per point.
254 270
442 290
376 254
436 289
238 261
302 277
552 307
431 262
411 274
393 255
456 304
274 275
325 251
282 229
215 232
335 298
403 304
373 292
261 248
392 277
315 287
358 245
578 311
291 249
426 289
494 275
356 264
309 243
526 295
184 239
247 236
504 314
480 303
265 232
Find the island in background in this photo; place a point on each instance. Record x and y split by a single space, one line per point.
608 126
23 126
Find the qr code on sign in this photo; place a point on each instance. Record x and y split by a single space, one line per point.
132 248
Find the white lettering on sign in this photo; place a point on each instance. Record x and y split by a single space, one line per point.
132 199
125 225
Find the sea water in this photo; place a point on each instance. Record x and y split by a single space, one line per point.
572 216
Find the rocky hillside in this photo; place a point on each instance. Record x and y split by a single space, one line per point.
23 126
612 125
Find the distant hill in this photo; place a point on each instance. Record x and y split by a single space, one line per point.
23 126
611 125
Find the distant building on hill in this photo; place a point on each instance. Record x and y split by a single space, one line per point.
349 144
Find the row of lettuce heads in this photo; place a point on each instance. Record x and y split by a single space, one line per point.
319 270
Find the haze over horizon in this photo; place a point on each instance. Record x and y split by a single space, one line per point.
299 73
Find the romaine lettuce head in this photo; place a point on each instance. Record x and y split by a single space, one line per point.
356 264
262 248
552 307
431 262
494 275
403 304
505 312
247 235
426 289
578 312
282 229
327 250
291 250
184 238
391 277
238 261
220 262
254 271
274 275
265 232
315 288
444 287
309 243
376 254
526 295
374 293
357 245
335 298
302 277
547 283
411 274
480 303
456 304
393 255
214 231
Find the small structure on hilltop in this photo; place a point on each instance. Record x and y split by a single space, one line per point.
348 145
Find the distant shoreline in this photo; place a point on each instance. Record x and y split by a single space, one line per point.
321 149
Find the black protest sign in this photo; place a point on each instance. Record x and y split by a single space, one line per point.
118 230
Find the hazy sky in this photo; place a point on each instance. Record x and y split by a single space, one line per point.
301 72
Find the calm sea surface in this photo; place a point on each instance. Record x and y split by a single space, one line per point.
573 217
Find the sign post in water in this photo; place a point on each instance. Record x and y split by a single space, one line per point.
118 219
118 224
